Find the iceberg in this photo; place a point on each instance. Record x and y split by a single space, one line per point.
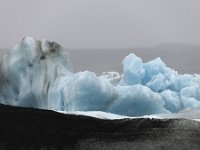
39 74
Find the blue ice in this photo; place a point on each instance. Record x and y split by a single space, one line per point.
39 74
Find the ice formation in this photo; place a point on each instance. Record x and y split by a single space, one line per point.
39 74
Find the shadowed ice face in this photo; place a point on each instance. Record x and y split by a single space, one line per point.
35 64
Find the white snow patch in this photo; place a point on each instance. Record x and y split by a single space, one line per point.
96 114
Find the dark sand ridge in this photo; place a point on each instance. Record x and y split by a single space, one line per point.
27 128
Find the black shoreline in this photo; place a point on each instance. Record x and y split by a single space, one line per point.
28 128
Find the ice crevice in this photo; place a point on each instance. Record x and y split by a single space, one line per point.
39 74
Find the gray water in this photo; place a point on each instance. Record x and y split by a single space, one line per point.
183 58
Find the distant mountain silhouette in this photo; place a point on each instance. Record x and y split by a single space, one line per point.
182 57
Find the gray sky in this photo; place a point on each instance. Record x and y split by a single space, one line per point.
101 23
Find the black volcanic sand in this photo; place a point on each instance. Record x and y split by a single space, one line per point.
27 128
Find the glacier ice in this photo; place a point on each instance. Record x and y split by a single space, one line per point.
137 100
40 74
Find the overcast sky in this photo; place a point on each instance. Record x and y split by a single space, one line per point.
101 23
